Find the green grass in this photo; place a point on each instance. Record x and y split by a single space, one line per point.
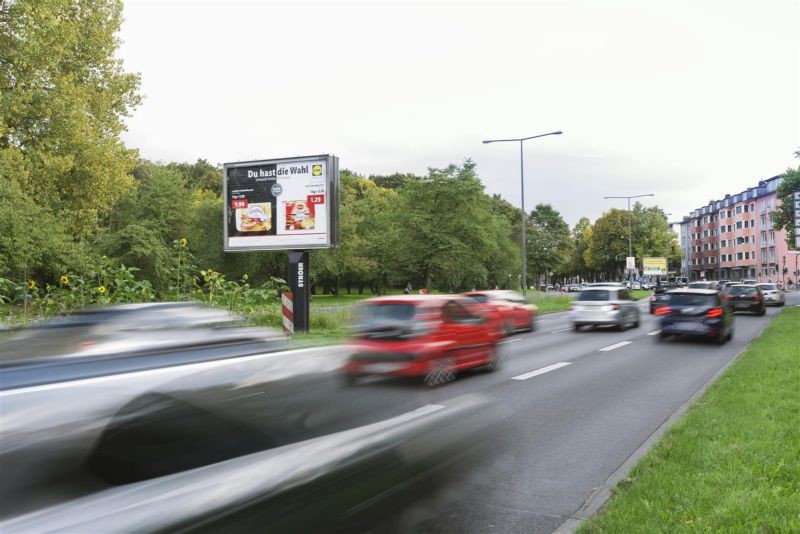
637 294
732 463
550 302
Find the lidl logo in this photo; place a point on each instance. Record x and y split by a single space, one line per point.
316 170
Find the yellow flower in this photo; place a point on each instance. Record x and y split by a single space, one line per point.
65 280
183 242
244 277
101 289
31 284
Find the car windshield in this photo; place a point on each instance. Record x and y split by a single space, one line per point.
685 299
595 295
743 290
480 298
388 312
699 285
767 287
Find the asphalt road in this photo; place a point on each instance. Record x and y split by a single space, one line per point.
580 408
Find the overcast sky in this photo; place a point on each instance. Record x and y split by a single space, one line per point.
685 99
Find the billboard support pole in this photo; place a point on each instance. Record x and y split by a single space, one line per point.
298 266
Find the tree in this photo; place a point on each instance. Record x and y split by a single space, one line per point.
63 97
443 218
548 241
581 234
608 246
783 216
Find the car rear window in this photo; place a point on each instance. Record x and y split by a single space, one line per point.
595 295
699 285
683 299
767 287
483 299
743 290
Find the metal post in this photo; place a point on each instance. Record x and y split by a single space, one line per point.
524 279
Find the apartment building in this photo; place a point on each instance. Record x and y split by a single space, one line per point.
734 238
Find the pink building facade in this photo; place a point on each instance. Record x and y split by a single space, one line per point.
734 238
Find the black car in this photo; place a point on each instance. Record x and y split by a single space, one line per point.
747 299
658 298
696 313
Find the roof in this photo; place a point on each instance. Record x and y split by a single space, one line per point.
687 291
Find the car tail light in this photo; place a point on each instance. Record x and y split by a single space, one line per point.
615 307
756 298
663 310
728 297
653 298
714 312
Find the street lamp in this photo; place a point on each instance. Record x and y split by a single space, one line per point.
523 277
630 232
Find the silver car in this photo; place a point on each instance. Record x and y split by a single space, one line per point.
773 295
604 306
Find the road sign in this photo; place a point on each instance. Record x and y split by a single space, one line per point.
630 262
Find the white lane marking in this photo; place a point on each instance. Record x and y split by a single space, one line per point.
615 346
428 408
541 371
654 333
562 330
511 340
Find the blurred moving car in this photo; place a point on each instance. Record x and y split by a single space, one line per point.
773 295
725 288
746 298
111 441
696 313
428 336
658 297
604 306
749 282
135 329
513 311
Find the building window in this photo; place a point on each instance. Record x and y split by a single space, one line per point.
740 255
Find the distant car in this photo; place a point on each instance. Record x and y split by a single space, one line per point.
514 312
773 295
702 285
573 288
721 284
696 313
749 282
427 336
746 298
725 288
681 281
604 306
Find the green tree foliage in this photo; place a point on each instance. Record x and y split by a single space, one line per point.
581 235
447 231
608 246
63 96
783 216
394 181
549 242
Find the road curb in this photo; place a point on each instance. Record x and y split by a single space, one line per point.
600 495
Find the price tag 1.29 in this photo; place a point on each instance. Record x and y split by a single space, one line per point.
315 199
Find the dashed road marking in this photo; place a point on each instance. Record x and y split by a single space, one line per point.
615 346
654 333
541 371
562 330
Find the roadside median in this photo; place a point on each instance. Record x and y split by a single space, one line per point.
732 463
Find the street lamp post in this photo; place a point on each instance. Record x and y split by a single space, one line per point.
523 277
630 231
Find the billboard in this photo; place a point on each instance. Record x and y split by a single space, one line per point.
654 266
281 204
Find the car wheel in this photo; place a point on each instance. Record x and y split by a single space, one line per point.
763 311
721 339
622 326
495 360
349 380
576 327
508 327
439 373
661 337
533 324
730 334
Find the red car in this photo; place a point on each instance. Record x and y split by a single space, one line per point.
513 311
428 336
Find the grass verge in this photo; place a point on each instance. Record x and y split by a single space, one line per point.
732 463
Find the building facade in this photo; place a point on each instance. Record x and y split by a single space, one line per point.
734 238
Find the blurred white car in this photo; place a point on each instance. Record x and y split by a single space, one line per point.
773 295
604 306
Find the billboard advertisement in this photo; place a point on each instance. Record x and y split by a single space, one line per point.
281 204
654 266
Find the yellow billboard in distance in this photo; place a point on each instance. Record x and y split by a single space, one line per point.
654 266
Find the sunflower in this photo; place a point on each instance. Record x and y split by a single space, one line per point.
31 284
101 289
183 242
64 279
